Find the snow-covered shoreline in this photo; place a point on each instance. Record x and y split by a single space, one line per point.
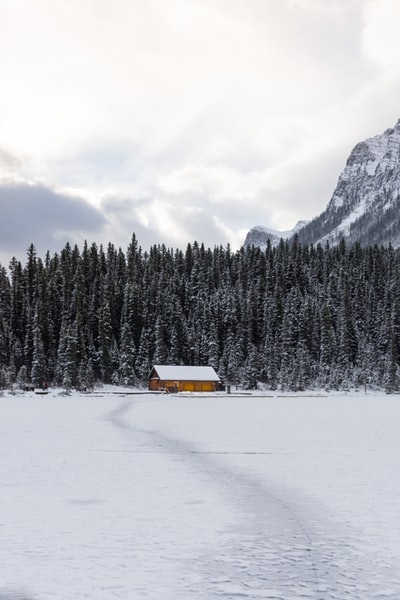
121 495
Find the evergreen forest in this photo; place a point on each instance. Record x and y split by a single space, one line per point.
290 317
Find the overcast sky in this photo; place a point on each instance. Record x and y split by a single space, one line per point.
183 120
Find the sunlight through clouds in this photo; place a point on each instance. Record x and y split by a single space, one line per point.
245 111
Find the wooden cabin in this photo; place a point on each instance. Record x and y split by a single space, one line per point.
180 378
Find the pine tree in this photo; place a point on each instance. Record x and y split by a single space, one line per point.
213 346
144 356
70 366
22 377
251 369
39 367
127 375
160 347
327 345
105 339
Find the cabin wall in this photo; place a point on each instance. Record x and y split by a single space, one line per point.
183 386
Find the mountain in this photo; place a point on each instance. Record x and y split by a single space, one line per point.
365 205
259 236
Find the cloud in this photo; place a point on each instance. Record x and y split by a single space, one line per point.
157 73
158 220
8 160
47 219
380 39
10 164
181 119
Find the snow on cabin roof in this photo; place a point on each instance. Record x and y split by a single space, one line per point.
184 373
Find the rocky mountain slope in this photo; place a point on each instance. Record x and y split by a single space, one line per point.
365 205
259 236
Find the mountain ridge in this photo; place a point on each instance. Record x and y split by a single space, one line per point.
260 236
365 203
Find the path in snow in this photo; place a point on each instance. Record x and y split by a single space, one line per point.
280 546
173 498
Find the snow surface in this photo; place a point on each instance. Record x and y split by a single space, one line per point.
172 497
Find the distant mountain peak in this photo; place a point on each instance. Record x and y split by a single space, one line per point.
259 236
366 198
365 205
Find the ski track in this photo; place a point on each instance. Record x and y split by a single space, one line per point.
283 547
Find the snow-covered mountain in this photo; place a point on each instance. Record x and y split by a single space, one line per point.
259 236
365 205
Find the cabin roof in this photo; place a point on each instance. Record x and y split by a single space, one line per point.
184 373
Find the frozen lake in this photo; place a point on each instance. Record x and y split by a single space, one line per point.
195 497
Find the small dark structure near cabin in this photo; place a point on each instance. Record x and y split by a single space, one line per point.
170 378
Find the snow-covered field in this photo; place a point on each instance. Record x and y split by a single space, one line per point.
141 496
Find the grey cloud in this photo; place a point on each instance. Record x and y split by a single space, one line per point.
9 161
38 215
123 204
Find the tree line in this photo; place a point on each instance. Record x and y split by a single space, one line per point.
289 317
